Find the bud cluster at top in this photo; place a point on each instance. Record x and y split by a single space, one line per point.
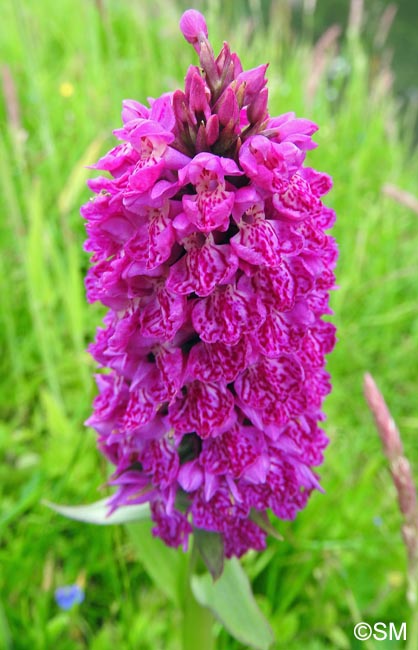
209 249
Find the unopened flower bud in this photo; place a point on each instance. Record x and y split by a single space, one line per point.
257 110
201 139
193 27
207 61
198 94
254 80
227 107
212 129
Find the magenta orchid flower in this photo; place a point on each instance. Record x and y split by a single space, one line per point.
209 248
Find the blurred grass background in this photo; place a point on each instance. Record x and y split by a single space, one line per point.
65 69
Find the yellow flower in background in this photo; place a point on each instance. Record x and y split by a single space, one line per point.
66 89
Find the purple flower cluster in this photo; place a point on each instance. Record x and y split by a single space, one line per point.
209 249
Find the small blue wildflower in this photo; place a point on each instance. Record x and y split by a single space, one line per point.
68 596
378 521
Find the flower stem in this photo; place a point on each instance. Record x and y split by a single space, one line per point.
197 628
412 631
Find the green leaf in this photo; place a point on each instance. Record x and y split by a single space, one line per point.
211 549
263 522
5 633
339 638
165 566
231 600
77 179
97 513
29 494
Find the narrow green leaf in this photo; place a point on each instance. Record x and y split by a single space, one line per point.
97 513
165 566
5 633
232 602
211 549
29 495
77 179
262 520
